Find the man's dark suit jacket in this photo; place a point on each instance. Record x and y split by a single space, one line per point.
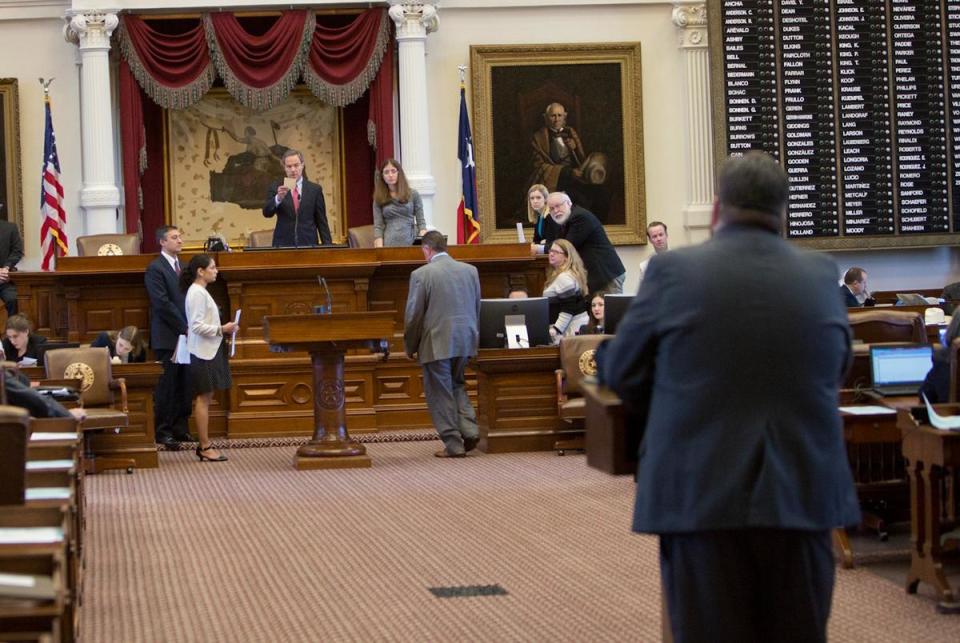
584 230
168 316
298 229
849 299
11 245
19 393
738 377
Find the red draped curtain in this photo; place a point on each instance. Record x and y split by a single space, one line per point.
176 62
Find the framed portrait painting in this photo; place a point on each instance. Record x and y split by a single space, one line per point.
568 117
221 158
11 203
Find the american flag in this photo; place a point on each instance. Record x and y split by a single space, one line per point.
53 238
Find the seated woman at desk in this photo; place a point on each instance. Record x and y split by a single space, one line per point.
595 325
936 386
19 342
397 209
125 345
566 285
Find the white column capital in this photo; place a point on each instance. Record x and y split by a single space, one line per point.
691 19
414 19
90 29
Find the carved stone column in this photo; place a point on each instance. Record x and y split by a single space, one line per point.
414 20
99 196
691 19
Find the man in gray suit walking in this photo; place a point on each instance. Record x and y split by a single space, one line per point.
443 305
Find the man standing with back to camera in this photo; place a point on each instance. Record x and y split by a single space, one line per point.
440 328
301 212
742 469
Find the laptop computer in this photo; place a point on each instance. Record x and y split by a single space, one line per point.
899 370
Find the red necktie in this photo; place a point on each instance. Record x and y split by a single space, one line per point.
176 266
296 199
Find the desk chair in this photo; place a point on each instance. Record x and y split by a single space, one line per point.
576 363
260 239
92 367
108 245
881 325
360 236
14 435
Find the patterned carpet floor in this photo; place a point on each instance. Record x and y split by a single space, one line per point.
252 550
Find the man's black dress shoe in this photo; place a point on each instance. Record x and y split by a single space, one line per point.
469 444
169 442
184 437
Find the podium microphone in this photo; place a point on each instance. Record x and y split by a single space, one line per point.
328 309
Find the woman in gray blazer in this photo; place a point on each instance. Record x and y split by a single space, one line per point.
397 209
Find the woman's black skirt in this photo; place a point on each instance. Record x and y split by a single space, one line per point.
207 375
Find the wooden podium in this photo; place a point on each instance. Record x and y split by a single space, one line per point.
327 338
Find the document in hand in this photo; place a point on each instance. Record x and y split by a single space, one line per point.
233 336
944 422
181 355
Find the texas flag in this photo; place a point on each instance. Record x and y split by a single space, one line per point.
468 222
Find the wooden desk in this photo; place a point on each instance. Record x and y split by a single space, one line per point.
272 394
933 466
610 444
517 399
876 463
136 440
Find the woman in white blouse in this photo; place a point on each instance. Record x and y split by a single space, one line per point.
566 288
209 369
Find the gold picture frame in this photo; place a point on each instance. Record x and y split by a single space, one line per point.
600 87
11 189
221 157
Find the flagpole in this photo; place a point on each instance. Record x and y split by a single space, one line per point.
53 238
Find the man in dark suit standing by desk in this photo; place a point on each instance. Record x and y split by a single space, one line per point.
440 328
301 211
742 469
580 227
11 252
168 320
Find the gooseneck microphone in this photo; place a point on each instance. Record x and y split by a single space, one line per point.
328 309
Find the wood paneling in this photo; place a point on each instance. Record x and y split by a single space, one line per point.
272 391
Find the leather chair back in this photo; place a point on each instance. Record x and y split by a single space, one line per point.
954 349
108 244
360 236
14 438
577 360
90 365
260 239
883 325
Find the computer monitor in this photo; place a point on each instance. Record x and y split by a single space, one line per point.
535 311
614 308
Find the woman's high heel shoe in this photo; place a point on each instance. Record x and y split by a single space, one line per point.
206 458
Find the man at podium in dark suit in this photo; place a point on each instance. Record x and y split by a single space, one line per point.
742 469
440 328
300 210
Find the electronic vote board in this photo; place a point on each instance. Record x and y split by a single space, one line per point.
859 100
